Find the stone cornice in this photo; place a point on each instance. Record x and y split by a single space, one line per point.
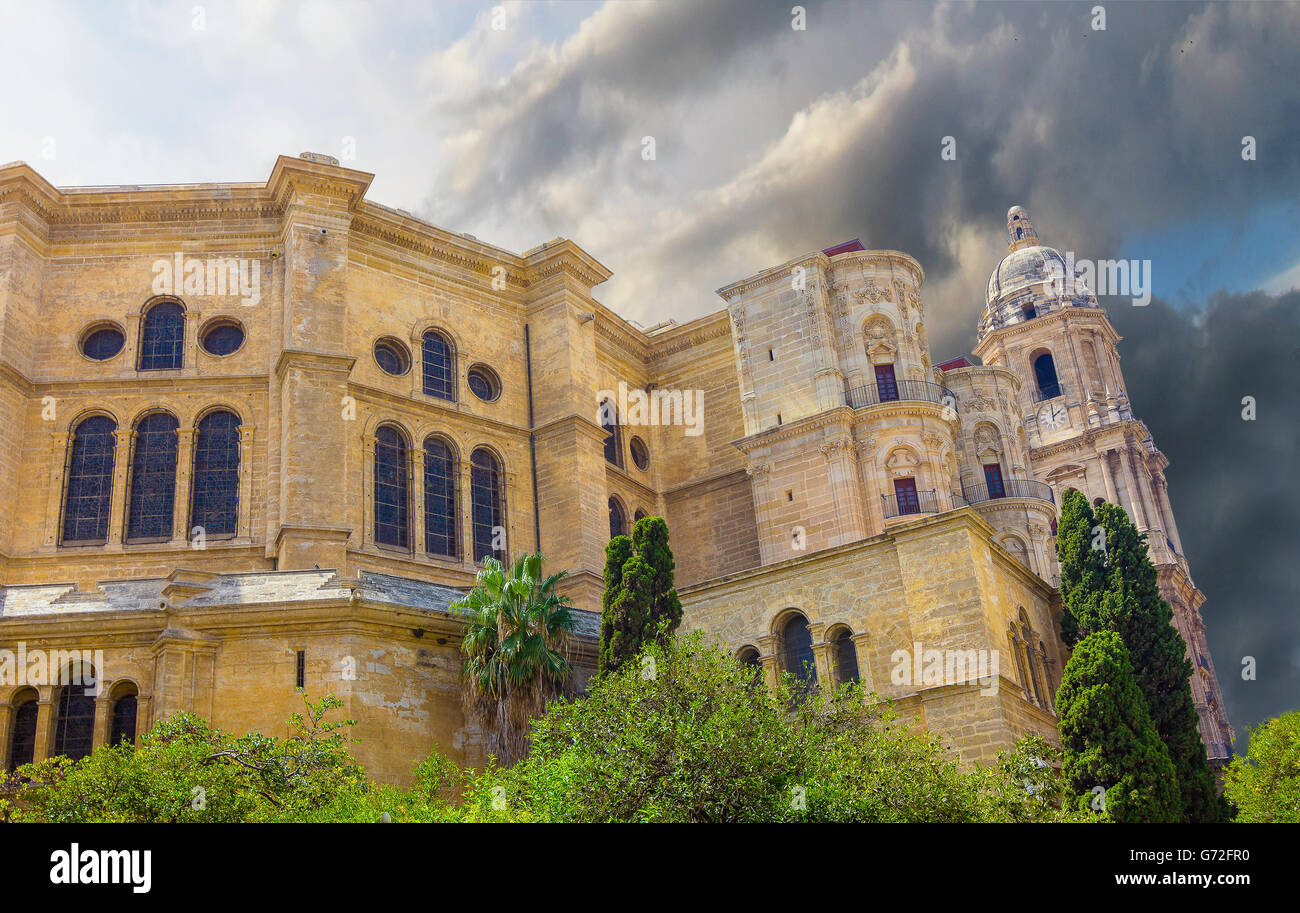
1065 316
689 335
840 416
886 258
298 358
563 257
298 176
406 233
1092 440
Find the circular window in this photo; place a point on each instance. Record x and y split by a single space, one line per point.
221 337
391 356
102 343
640 454
483 383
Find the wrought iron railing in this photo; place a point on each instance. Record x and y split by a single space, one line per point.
913 390
932 501
1010 488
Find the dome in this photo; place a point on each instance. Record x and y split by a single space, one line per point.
1031 280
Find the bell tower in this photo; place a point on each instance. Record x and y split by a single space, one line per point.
1043 322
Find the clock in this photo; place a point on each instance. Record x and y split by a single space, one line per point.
1053 417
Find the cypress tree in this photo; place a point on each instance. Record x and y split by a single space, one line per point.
640 604
1108 738
1083 567
1109 584
617 551
1146 623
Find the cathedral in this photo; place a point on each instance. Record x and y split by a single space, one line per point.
257 436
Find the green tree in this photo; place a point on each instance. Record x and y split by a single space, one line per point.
1103 555
516 635
685 737
640 604
1160 664
1264 786
1108 740
184 770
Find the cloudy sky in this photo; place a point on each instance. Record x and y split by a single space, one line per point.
528 121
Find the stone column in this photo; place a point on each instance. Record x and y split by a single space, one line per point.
192 321
466 509
873 518
1135 497
1144 493
769 644
417 499
821 654
244 509
44 723
58 461
845 493
368 491
131 349
861 644
103 716
143 705
122 454
1107 477
181 507
6 739
758 473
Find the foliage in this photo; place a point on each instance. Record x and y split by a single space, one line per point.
184 770
686 737
1264 786
1116 588
516 635
1108 738
640 604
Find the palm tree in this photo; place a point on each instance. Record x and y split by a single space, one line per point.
517 631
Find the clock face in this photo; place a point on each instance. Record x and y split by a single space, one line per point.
1053 417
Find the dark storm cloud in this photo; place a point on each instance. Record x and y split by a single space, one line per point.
1100 133
772 143
1232 482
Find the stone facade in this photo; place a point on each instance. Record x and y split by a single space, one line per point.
829 502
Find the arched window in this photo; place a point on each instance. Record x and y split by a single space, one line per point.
214 505
123 719
162 337
617 519
1045 376
74 731
748 656
22 729
487 499
153 478
640 514
439 366
846 656
89 492
440 499
798 652
391 496
613 435
1028 660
